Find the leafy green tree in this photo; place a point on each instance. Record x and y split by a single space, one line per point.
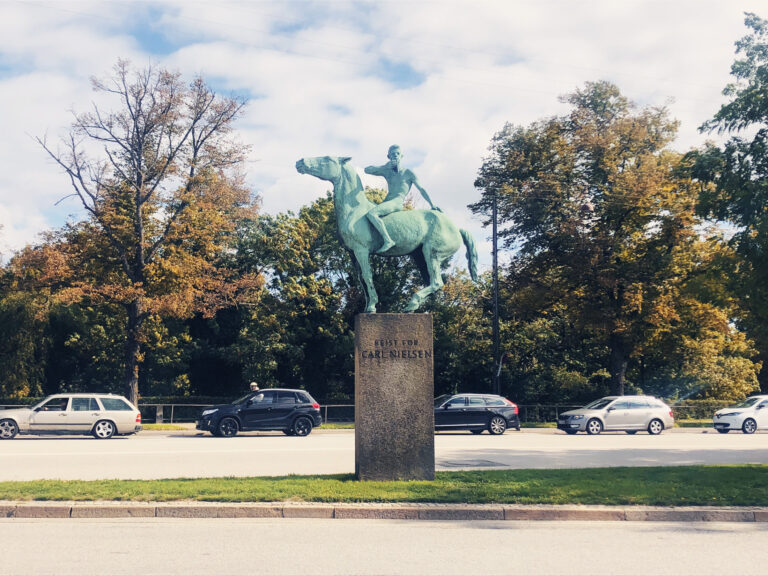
601 221
734 178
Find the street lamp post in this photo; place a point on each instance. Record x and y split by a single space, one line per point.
495 324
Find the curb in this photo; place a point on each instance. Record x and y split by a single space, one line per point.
453 512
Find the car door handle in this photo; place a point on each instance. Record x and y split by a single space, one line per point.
62 414
96 414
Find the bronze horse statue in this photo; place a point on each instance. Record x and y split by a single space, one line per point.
428 236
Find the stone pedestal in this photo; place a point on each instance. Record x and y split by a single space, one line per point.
394 396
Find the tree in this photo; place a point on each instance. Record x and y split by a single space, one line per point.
734 178
162 203
601 220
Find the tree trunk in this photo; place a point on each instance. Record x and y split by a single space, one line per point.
132 351
618 367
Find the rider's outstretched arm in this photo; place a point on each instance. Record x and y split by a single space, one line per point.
415 182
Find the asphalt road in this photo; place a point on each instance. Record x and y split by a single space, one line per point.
151 455
237 546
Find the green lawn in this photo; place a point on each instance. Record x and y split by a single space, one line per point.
744 485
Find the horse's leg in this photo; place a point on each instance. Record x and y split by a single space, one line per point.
432 260
366 277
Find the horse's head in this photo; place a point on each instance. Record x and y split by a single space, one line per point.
323 167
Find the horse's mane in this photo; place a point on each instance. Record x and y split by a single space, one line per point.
351 185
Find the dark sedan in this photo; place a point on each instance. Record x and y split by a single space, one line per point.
475 412
294 412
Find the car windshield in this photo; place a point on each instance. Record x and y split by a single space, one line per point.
241 400
747 403
597 404
440 399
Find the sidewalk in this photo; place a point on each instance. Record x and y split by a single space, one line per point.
454 512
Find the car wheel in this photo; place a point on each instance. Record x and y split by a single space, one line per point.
655 427
594 426
497 425
476 431
749 426
228 427
302 426
631 431
103 429
723 430
8 429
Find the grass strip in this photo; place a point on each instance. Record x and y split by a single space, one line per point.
741 485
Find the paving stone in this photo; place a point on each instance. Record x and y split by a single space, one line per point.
42 510
526 513
689 515
113 511
461 513
376 513
308 511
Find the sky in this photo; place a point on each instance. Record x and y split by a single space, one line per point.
439 78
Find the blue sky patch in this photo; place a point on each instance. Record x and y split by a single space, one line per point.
399 74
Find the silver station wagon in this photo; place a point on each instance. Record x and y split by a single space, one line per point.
626 413
101 415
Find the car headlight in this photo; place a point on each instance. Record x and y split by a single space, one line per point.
206 412
729 414
578 417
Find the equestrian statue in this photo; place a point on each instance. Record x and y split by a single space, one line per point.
366 228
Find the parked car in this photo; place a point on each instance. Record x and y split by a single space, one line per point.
475 412
294 412
624 413
102 415
748 416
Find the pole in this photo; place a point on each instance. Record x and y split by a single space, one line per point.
495 326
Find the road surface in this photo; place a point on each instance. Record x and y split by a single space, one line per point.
151 455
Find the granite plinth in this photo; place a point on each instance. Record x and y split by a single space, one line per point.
394 396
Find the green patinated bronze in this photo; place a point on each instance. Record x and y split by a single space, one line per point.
428 236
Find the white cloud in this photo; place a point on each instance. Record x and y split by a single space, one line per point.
312 69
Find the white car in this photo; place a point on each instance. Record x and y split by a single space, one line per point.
102 415
748 416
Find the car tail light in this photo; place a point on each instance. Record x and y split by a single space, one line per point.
316 406
508 401
671 414
138 418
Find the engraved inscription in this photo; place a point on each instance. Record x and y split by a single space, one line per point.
396 349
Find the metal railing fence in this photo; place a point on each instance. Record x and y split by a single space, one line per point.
178 413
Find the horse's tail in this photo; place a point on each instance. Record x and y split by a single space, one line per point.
469 242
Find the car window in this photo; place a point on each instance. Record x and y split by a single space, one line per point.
494 401
620 406
286 398
458 402
763 404
55 405
476 401
638 404
114 404
440 400
598 404
303 398
84 404
263 398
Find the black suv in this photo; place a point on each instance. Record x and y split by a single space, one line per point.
475 412
294 412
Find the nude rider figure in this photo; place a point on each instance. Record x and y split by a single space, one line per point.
399 183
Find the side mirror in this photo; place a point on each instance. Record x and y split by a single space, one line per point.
446 406
611 409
